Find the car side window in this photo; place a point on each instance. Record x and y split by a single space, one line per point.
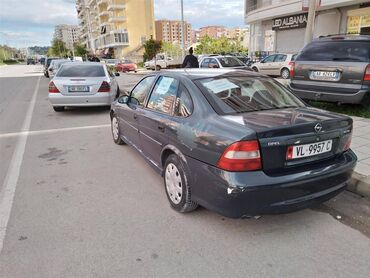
269 59
205 63
164 94
142 89
280 58
213 63
184 103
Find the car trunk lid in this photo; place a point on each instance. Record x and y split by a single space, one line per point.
279 129
78 86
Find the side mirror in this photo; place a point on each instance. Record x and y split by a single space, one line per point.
116 74
123 99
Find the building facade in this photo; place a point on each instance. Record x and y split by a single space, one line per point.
116 26
171 31
69 34
214 32
279 25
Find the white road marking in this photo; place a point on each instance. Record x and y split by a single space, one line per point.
11 178
48 131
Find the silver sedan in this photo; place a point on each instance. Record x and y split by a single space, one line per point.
82 84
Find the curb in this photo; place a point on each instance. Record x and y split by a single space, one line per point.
359 184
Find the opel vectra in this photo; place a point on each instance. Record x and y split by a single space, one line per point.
235 142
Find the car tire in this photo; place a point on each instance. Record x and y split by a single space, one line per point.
58 108
176 183
158 68
255 69
285 73
116 133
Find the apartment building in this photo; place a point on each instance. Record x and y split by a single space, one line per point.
214 32
69 34
171 31
116 26
279 25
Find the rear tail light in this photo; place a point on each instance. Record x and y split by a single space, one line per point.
289 153
241 156
104 88
53 88
347 145
367 73
291 68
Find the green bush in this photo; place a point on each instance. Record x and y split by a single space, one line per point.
10 61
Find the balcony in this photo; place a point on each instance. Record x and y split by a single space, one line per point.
102 2
118 38
115 6
117 18
104 13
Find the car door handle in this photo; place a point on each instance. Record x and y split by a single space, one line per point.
135 116
161 128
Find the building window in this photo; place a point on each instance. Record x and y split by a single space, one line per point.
121 38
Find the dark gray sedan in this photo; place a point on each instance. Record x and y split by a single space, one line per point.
235 142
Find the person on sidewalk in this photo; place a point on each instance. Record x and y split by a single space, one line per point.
190 60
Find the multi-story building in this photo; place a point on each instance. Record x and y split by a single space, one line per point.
214 32
69 34
195 36
171 31
119 26
279 25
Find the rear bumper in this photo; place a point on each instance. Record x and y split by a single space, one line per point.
355 98
98 99
247 194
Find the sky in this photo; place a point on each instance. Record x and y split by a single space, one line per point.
31 22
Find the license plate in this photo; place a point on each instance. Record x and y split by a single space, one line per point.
73 89
307 150
325 75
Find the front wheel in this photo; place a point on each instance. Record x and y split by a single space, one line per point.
255 69
177 187
285 73
116 134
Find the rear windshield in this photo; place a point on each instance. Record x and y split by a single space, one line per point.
81 71
242 94
230 62
347 51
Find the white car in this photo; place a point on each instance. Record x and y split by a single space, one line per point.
83 84
222 62
276 65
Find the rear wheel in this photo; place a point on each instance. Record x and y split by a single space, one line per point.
255 69
115 131
158 68
177 185
285 73
58 108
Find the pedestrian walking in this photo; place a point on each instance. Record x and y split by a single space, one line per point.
190 60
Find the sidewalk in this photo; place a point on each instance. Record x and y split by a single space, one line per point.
361 146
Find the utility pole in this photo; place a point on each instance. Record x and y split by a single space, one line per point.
182 30
310 22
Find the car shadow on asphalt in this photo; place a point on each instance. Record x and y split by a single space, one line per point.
86 110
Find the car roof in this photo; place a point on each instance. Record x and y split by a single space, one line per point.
86 63
198 73
346 37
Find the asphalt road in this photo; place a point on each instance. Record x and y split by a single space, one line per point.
74 204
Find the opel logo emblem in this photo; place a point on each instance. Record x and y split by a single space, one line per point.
318 127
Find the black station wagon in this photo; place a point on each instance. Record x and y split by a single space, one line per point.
234 142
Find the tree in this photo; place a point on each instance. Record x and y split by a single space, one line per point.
152 48
58 48
223 45
80 50
173 50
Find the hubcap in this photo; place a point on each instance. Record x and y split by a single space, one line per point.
115 131
173 183
285 74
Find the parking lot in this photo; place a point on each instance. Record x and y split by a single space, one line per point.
74 204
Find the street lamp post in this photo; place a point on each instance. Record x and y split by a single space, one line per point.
182 29
310 22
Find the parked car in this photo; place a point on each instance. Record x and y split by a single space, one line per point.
163 62
275 65
111 62
55 65
236 142
47 64
42 60
222 62
31 61
245 60
334 69
126 66
82 84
